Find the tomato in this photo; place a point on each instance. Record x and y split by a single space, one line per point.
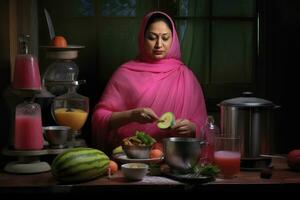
156 153
293 159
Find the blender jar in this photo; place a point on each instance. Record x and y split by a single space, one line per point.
60 70
28 127
26 72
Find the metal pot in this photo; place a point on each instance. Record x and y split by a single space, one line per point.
252 120
182 154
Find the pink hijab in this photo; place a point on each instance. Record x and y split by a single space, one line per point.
164 85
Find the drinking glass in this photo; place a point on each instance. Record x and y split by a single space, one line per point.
227 156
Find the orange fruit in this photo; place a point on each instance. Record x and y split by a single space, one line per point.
59 41
155 153
112 167
158 145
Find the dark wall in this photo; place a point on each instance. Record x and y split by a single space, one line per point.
4 72
279 56
282 40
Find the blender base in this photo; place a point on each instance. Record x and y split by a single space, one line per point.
22 167
255 164
76 143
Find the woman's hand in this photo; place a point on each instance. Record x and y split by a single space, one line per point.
184 128
140 115
143 115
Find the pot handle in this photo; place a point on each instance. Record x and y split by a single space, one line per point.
277 106
247 94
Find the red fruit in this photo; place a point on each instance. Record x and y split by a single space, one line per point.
158 145
293 159
156 153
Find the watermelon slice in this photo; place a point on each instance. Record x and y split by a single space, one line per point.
167 120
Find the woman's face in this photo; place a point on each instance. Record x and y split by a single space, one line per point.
158 40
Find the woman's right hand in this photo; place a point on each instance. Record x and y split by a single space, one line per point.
143 115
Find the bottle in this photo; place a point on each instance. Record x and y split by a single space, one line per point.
209 133
28 127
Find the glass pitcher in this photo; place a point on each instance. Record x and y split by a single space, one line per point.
60 70
71 109
27 73
28 127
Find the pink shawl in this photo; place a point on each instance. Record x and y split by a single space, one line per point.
165 85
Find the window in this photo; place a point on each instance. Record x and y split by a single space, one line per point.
219 42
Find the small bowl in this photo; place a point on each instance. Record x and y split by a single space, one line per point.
57 136
137 152
134 171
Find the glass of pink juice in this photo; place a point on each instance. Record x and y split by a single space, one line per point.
227 156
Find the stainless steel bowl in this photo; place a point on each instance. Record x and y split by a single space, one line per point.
57 136
137 152
182 154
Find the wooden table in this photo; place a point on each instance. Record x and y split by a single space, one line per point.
44 183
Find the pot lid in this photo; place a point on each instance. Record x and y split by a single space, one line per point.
247 101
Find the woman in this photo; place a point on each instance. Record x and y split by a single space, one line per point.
141 90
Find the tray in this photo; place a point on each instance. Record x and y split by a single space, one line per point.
195 178
122 158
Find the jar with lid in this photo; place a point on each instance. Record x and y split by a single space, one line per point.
28 127
209 132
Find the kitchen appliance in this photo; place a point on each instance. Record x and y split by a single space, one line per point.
252 120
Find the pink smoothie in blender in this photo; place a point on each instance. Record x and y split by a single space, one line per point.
28 127
26 73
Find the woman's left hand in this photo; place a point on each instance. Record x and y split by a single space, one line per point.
184 128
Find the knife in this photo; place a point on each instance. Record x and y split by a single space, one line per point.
50 25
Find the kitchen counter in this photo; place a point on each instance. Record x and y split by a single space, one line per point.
44 183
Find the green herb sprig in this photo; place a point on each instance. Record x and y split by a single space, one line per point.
207 170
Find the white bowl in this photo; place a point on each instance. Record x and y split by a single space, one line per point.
134 171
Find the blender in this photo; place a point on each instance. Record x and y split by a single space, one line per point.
68 108
27 138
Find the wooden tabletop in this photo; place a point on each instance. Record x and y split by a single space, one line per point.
283 179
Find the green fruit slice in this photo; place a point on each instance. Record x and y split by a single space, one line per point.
167 120
118 150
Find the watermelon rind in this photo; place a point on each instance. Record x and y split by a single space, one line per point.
79 164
